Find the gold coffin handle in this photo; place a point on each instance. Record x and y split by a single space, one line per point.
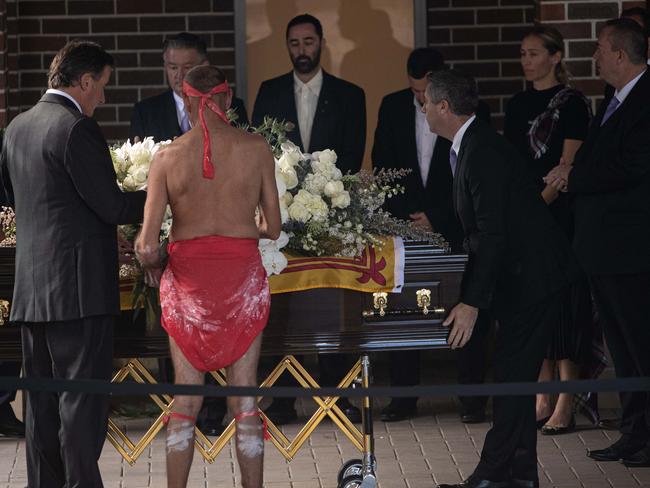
423 296
380 302
4 311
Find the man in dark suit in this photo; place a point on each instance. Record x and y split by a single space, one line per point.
163 116
610 181
519 263
328 113
58 173
403 140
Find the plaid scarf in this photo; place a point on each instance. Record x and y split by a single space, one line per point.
541 130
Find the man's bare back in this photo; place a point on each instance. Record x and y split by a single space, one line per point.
226 204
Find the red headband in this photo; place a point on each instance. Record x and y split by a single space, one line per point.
206 99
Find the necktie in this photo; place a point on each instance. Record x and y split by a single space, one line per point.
185 123
613 103
453 159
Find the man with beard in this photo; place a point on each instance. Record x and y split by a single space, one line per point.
328 113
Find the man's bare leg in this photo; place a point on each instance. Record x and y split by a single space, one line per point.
180 429
250 434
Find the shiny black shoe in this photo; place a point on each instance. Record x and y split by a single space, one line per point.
469 417
559 429
475 482
10 426
621 449
350 411
514 483
640 459
396 411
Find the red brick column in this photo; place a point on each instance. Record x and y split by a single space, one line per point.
4 71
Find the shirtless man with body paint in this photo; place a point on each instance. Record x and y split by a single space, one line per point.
214 291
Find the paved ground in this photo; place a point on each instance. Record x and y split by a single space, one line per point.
434 447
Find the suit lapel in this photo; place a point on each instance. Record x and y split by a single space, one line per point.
325 99
169 117
460 162
287 104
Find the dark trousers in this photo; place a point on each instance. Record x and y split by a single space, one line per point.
8 368
622 304
472 363
65 432
405 366
510 448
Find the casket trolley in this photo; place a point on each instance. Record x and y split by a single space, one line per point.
317 321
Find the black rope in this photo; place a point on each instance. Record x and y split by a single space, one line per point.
486 389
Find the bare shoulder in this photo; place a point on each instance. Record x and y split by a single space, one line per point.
170 154
255 147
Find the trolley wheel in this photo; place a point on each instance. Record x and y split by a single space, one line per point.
351 468
352 481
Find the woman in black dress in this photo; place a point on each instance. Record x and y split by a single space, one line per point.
547 123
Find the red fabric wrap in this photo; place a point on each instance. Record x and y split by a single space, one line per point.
215 298
206 99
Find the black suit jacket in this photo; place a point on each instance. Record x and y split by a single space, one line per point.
57 170
339 122
610 182
395 146
156 116
518 256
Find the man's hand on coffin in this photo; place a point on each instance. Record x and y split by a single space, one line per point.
461 319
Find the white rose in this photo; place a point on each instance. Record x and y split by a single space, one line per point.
303 197
318 208
327 156
139 175
341 200
128 184
333 188
314 183
290 178
299 212
286 199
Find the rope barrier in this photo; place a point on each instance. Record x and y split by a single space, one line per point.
485 389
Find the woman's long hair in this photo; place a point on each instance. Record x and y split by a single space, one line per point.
553 42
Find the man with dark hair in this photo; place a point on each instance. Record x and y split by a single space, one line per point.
519 263
610 182
57 171
163 116
328 113
403 140
212 324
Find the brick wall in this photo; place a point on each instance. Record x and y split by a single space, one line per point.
482 37
131 30
4 99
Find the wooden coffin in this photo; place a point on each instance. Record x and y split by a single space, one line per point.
313 321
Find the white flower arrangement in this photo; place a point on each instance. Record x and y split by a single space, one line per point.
334 214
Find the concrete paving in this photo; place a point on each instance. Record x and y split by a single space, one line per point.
432 448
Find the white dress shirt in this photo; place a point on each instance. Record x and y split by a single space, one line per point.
625 91
180 111
458 137
425 141
66 95
306 95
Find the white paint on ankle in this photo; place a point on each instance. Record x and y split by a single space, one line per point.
180 438
250 445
